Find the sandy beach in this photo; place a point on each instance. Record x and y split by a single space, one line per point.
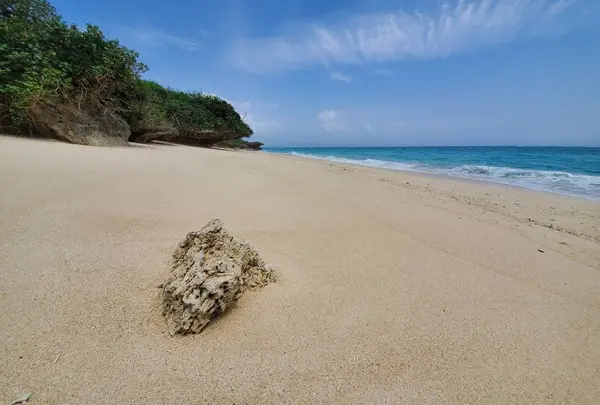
393 287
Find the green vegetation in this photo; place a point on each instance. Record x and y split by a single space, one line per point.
190 113
44 60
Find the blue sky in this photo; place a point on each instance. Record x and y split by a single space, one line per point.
376 72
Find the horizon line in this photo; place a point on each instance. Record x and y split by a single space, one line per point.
441 146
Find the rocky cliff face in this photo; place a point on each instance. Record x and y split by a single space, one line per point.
93 124
239 144
254 145
87 124
164 131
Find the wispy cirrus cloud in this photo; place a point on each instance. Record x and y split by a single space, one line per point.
340 77
156 38
455 27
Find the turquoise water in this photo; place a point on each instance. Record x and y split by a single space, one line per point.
572 171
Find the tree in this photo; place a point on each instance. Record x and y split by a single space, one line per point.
195 115
44 60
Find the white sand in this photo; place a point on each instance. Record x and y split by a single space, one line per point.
394 287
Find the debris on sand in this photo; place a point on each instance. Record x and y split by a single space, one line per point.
210 271
23 399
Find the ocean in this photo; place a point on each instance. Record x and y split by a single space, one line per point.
565 170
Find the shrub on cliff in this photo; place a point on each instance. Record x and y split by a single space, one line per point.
196 116
44 61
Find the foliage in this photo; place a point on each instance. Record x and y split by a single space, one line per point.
189 112
29 67
43 59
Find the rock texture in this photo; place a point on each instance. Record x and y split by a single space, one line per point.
210 272
254 145
239 144
87 124
203 138
163 131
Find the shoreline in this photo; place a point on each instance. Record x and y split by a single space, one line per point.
447 175
488 187
392 286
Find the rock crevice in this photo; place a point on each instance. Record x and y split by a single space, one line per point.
88 124
210 271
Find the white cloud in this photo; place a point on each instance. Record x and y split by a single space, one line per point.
153 37
332 121
242 107
340 77
455 27
260 126
558 7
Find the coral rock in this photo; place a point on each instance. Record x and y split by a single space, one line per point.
210 272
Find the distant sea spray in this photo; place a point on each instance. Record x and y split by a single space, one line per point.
564 170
